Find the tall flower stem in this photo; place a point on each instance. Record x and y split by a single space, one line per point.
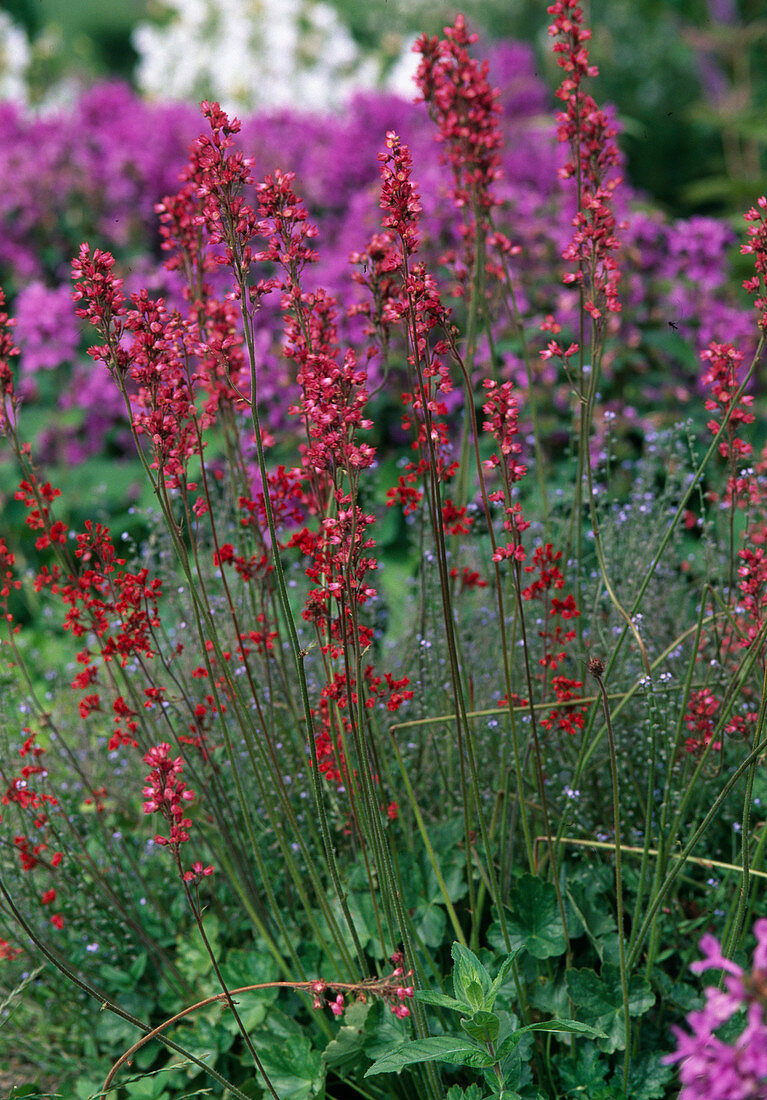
736 927
195 907
670 878
239 268
596 668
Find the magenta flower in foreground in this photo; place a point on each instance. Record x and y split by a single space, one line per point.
711 1069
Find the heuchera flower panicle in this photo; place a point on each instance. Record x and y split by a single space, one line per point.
465 107
594 154
8 398
167 794
756 246
722 378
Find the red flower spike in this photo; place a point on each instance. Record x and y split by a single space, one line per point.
465 109
756 246
166 794
700 721
594 155
721 377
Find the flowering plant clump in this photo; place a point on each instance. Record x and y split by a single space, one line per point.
74 175
413 658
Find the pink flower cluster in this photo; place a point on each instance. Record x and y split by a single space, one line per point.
700 719
392 990
465 107
757 247
166 794
594 154
711 1069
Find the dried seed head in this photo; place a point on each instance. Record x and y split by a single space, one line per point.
596 667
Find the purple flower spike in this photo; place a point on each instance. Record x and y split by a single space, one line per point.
711 1069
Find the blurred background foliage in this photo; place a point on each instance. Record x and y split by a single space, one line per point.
688 77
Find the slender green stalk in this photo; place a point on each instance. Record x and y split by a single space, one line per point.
736 930
459 934
195 907
515 316
596 668
670 878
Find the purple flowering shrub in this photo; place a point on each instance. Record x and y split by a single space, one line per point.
91 172
713 1068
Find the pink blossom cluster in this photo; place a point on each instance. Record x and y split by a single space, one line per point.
756 246
167 794
709 1068
465 107
393 990
594 155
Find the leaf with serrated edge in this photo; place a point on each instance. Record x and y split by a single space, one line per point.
438 1048
482 1026
534 919
467 968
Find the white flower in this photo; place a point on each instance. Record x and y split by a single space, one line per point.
14 58
252 54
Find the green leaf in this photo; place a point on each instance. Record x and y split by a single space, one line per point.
585 1078
193 958
205 1037
430 924
534 921
249 967
348 1043
509 1045
387 1032
600 999
294 1068
113 1031
441 1000
572 1027
117 979
138 966
438 1048
549 996
482 1026
473 1092
251 1010
588 899
516 1045
672 991
468 970
501 977
151 1087
648 1078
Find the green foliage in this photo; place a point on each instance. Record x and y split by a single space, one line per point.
598 997
496 1043
534 921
